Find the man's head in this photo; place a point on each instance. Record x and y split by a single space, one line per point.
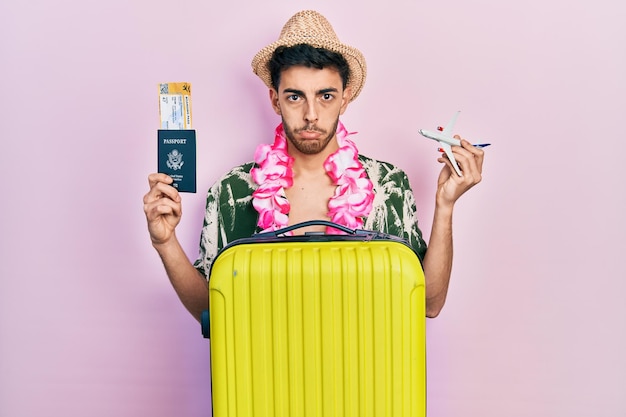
308 27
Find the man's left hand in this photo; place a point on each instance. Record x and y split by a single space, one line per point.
449 185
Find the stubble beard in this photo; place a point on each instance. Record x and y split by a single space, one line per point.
309 146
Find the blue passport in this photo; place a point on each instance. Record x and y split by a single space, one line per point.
177 158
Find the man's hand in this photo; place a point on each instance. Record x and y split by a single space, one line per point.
449 185
163 208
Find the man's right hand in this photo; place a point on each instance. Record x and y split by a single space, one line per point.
163 208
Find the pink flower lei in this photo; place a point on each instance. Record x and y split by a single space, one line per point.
353 196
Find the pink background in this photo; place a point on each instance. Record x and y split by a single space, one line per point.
535 321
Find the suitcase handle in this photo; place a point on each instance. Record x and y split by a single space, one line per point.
326 223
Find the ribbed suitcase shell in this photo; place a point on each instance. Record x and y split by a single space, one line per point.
331 328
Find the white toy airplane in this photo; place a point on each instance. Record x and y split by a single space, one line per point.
446 141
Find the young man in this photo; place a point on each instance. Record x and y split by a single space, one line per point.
312 171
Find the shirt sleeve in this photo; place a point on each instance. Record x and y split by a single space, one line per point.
394 210
410 222
210 239
229 215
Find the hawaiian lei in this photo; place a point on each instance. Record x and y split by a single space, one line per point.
351 202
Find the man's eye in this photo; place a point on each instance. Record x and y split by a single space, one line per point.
327 96
293 97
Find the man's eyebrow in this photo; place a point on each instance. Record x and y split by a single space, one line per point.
293 91
301 93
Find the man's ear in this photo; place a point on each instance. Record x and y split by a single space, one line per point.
347 95
274 101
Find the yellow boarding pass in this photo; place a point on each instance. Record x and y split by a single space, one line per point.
175 106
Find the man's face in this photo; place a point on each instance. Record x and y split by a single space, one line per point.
310 101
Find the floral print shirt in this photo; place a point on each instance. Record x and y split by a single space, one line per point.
230 214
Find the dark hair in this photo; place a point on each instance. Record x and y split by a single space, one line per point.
285 57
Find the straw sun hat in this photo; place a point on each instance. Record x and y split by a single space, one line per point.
310 27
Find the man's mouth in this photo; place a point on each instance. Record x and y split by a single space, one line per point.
310 133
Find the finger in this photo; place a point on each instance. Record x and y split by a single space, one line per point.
162 190
465 144
448 164
157 177
456 150
471 148
478 153
469 165
162 207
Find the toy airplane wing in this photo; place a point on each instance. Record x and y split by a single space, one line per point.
448 150
448 129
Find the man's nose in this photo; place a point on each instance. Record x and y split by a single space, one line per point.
311 113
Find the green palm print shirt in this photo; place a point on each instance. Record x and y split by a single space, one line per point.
230 214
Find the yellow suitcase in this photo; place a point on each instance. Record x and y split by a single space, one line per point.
317 325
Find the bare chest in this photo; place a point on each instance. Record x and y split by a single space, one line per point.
309 201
